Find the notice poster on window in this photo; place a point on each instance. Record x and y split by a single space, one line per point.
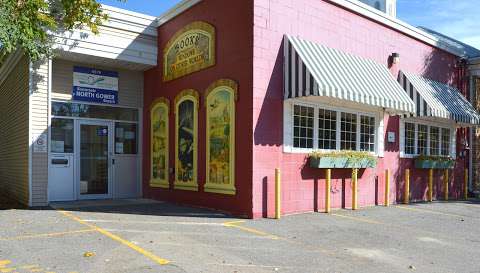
95 85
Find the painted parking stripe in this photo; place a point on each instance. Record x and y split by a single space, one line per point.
431 211
55 234
114 237
236 224
358 219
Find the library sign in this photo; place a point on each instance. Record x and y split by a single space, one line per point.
95 85
191 49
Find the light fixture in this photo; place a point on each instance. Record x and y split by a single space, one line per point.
395 58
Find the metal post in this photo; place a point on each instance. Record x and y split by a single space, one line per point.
406 196
277 194
387 188
430 185
328 184
465 188
445 181
354 189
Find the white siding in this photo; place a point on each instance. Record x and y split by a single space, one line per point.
39 125
14 133
130 83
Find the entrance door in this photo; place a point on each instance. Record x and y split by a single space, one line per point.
94 159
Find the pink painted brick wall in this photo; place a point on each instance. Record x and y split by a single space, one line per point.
322 22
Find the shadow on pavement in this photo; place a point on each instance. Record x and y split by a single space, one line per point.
139 207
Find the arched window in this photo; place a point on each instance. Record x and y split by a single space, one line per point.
159 143
186 140
220 161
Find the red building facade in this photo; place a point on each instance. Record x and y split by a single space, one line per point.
249 51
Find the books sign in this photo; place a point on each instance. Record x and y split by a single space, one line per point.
191 49
95 85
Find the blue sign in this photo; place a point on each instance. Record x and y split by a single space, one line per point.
95 85
102 132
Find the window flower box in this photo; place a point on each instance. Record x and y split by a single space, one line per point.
434 163
342 160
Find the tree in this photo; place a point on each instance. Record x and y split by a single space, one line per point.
30 24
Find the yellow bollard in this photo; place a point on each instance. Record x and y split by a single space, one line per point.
328 184
354 189
406 197
465 186
277 194
430 185
387 188
445 181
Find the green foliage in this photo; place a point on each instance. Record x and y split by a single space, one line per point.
437 158
30 24
352 156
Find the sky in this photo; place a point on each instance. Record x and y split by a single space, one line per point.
455 18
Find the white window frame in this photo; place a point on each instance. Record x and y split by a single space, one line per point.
288 126
440 124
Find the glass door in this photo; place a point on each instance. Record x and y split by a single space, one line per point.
95 154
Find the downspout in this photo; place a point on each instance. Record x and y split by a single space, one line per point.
471 132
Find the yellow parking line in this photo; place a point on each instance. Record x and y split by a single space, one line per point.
235 224
46 235
430 211
358 219
114 237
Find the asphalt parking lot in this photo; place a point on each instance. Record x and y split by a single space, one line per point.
145 236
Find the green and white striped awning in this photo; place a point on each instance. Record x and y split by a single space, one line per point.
435 99
315 70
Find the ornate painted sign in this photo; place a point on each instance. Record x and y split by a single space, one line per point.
191 49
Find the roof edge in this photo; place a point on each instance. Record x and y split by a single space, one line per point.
176 10
403 27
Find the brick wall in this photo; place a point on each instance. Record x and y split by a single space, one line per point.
333 26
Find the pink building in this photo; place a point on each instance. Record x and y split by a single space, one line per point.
295 77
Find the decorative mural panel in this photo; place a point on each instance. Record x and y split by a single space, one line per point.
220 104
159 143
191 49
186 111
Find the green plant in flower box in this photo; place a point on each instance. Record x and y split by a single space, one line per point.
434 162
342 160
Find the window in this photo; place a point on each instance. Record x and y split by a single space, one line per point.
327 129
125 138
62 135
330 129
434 140
422 139
348 132
186 139
220 158
409 138
303 117
367 133
445 141
159 126
68 109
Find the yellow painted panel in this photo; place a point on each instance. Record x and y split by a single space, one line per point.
186 140
159 142
220 146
